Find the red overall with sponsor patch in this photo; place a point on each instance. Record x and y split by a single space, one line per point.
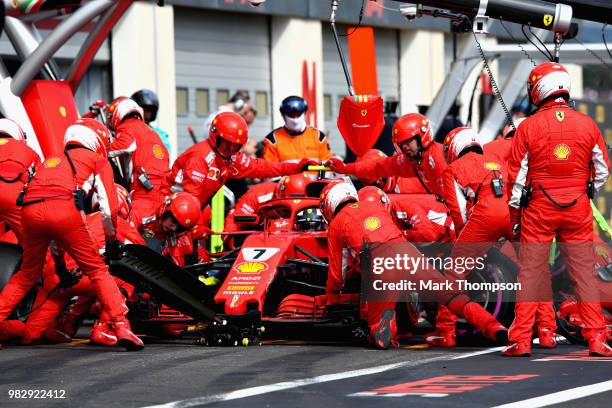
146 155
428 171
556 151
201 171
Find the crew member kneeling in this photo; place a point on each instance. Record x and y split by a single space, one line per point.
353 222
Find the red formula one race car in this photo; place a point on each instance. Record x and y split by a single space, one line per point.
277 276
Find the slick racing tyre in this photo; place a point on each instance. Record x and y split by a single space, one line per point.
498 269
10 259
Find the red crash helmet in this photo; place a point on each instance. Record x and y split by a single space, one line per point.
292 186
385 183
335 194
374 194
548 79
90 134
459 139
184 207
120 109
410 126
228 133
10 128
124 203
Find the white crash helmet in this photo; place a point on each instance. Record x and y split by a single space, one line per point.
548 79
458 140
90 134
119 109
10 128
335 194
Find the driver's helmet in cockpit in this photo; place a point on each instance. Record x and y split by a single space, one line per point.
310 219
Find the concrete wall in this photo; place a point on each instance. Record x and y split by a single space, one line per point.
293 42
143 57
421 67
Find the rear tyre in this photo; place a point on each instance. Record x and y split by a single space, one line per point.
498 269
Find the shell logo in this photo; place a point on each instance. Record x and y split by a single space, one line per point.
371 223
562 151
251 267
158 152
297 201
239 132
52 162
492 166
3 141
62 111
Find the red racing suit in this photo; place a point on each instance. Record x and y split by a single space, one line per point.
429 170
249 203
556 151
50 301
498 149
479 215
146 158
201 172
409 185
370 222
423 218
50 214
17 162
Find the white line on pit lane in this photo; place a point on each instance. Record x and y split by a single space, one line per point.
478 353
286 385
561 396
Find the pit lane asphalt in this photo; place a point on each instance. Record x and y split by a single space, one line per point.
179 371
